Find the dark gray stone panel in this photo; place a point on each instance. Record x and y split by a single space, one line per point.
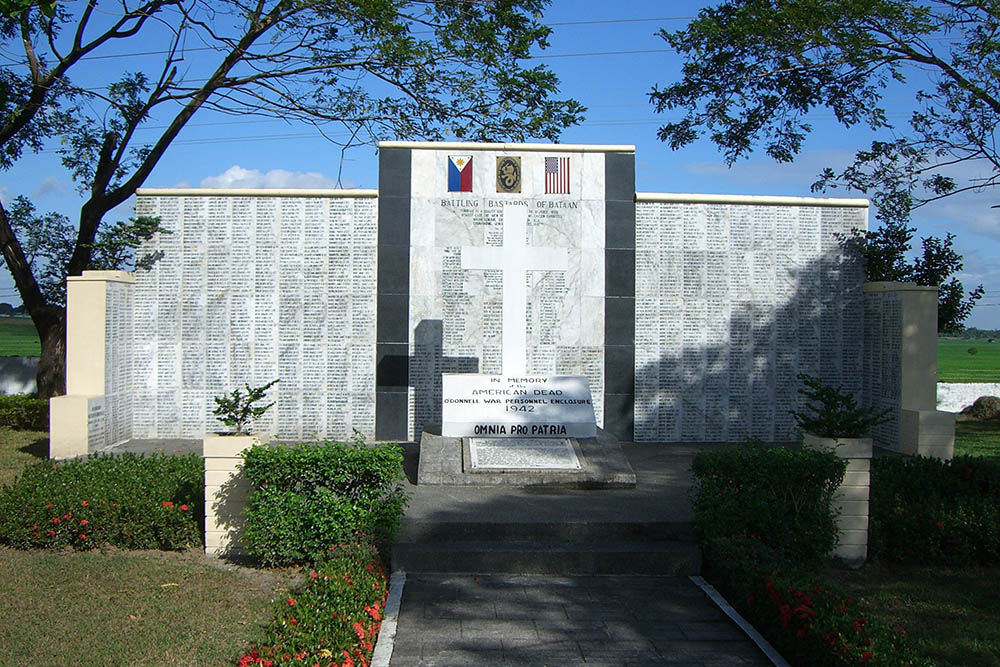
394 172
619 272
619 369
391 366
619 321
394 269
390 415
619 220
619 176
393 221
393 318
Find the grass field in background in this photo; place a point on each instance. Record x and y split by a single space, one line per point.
18 338
956 364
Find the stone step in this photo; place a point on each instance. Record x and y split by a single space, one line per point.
673 558
545 531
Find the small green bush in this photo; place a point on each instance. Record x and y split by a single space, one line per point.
333 618
21 412
808 622
307 496
831 412
932 511
129 501
779 495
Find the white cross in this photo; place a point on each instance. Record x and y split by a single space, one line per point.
516 257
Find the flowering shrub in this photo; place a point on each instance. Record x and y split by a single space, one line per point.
932 511
780 495
129 501
306 496
808 623
333 619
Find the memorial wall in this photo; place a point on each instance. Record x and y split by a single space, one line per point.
689 315
249 287
735 296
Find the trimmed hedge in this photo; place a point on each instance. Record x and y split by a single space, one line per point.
931 511
129 501
779 495
21 412
307 496
806 621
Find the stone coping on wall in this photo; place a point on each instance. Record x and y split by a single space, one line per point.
471 146
103 276
892 286
255 192
754 200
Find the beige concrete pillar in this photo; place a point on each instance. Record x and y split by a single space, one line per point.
901 369
850 499
78 420
226 494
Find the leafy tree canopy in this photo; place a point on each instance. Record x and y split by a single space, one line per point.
755 69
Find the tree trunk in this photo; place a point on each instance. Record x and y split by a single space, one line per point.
51 377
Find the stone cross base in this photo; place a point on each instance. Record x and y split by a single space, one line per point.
446 461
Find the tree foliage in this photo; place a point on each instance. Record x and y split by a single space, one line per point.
755 69
360 71
885 251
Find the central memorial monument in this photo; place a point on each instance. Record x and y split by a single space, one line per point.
506 301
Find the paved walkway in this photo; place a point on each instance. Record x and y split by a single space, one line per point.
556 620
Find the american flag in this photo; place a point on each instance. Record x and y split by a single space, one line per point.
557 175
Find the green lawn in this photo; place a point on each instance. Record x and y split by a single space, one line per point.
131 608
113 607
18 338
956 364
975 437
950 615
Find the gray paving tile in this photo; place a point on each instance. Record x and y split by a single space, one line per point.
719 631
526 620
467 609
475 630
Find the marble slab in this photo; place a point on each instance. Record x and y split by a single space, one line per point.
523 454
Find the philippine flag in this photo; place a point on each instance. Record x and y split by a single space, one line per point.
459 173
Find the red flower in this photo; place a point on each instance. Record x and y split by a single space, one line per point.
48 505
292 622
291 602
313 575
55 519
83 522
85 503
866 656
901 631
184 508
35 527
300 656
51 533
359 630
168 504
82 536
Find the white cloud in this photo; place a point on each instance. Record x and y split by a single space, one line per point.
51 186
238 177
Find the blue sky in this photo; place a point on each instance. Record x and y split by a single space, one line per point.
608 56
